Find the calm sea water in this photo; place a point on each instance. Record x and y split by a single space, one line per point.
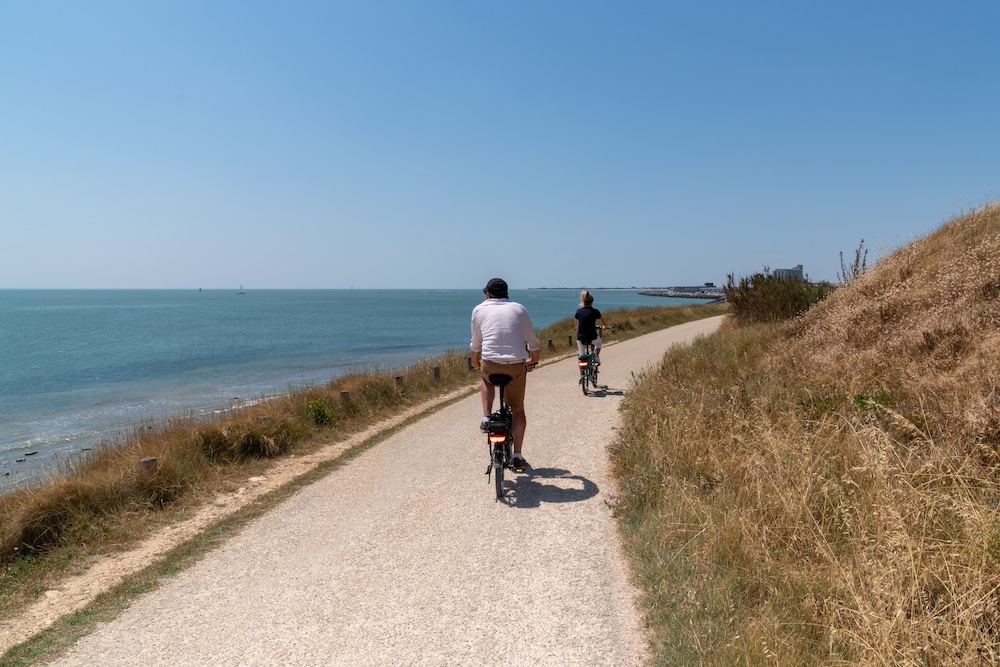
78 367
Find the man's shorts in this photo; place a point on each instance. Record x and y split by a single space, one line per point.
513 393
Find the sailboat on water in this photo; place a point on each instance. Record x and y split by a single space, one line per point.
241 289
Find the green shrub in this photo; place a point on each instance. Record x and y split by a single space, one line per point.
765 297
320 413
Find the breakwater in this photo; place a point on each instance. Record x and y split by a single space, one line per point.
676 294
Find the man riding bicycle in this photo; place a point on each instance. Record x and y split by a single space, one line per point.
504 342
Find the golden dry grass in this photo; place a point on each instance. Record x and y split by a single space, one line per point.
826 491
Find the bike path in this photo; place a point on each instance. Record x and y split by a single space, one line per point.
403 556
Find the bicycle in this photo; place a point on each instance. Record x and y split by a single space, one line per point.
500 435
589 363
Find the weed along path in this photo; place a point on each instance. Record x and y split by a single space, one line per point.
403 556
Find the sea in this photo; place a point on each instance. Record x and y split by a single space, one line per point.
83 367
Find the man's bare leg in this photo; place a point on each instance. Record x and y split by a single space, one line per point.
486 393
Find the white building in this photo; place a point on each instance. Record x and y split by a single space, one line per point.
793 273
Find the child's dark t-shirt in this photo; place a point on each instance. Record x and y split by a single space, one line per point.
588 317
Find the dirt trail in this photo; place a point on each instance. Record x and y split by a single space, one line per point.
402 556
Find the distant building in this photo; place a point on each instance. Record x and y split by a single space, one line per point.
794 273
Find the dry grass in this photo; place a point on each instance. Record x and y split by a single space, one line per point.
826 491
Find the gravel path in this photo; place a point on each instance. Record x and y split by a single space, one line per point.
403 557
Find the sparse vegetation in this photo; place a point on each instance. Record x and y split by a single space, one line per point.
825 491
851 272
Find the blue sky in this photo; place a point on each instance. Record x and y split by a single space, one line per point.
375 144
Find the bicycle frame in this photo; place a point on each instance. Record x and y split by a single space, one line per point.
500 436
588 368
589 363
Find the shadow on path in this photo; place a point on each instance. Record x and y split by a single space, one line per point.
602 391
546 485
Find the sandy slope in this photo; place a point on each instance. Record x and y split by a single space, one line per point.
403 557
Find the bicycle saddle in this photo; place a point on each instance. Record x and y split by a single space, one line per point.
500 380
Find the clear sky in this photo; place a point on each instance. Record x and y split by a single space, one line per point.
429 144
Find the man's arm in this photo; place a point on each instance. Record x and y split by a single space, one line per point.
531 341
531 338
476 345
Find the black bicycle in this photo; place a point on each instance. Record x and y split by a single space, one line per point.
589 363
500 435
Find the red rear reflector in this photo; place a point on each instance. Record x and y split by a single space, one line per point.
498 438
583 364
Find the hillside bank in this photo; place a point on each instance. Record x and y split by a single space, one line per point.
826 491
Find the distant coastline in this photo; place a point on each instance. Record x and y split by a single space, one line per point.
710 296
134 358
709 292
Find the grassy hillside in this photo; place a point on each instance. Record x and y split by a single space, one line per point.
825 491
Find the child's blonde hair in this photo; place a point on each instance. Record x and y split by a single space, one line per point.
586 298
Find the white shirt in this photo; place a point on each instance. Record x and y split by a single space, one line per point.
500 330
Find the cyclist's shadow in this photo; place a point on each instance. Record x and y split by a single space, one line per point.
600 391
547 485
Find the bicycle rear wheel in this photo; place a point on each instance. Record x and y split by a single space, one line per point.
498 467
584 376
